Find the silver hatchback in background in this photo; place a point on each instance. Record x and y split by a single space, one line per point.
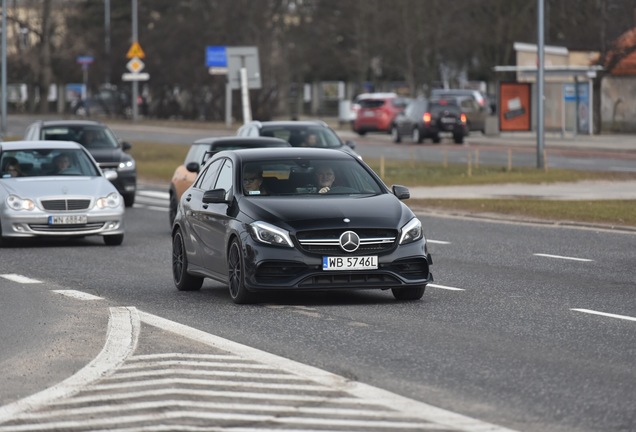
55 189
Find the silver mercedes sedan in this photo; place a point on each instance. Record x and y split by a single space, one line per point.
56 189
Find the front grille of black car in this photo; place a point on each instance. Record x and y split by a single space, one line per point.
66 228
108 165
66 204
372 241
350 280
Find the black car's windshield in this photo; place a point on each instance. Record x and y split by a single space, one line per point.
91 137
302 177
304 136
47 162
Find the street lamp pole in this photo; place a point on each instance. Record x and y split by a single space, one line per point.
3 126
107 40
135 84
540 83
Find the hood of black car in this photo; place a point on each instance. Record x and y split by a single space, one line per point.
107 155
319 212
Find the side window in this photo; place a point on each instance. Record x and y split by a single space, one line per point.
208 176
226 178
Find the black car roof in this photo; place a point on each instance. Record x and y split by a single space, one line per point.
243 141
263 154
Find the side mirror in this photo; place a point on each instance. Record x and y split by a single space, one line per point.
214 196
350 144
125 145
402 192
193 167
110 175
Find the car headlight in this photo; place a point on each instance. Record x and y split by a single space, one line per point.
127 165
16 203
112 200
270 234
412 231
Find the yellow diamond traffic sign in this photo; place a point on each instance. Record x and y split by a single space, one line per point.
135 65
135 51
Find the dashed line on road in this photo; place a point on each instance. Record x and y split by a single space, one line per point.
80 295
438 242
606 314
563 257
445 287
19 278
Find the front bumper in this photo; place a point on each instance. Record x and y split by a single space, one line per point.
276 268
24 224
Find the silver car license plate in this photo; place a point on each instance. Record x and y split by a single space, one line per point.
350 263
68 220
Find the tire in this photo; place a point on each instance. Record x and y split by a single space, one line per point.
417 136
459 139
409 293
129 199
395 134
172 212
182 280
436 139
362 132
114 240
236 275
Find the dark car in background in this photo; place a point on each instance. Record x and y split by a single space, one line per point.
357 235
203 149
473 103
424 118
377 112
298 133
109 152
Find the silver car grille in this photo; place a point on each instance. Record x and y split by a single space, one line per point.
92 226
66 204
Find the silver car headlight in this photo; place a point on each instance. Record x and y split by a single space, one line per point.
16 203
113 200
127 165
270 234
412 231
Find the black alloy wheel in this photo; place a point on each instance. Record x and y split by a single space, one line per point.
114 240
236 277
409 293
395 134
182 280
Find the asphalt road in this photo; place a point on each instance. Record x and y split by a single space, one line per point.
510 333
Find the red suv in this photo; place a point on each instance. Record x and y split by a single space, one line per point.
377 112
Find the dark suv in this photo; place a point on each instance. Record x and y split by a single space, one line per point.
424 118
100 141
298 134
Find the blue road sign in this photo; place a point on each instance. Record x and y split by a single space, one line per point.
215 56
84 60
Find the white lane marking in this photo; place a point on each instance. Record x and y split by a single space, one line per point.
19 278
121 340
372 411
154 194
205 373
173 382
589 311
437 241
179 415
445 287
230 363
622 169
149 207
563 257
409 407
78 295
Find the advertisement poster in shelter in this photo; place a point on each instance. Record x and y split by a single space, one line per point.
514 103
